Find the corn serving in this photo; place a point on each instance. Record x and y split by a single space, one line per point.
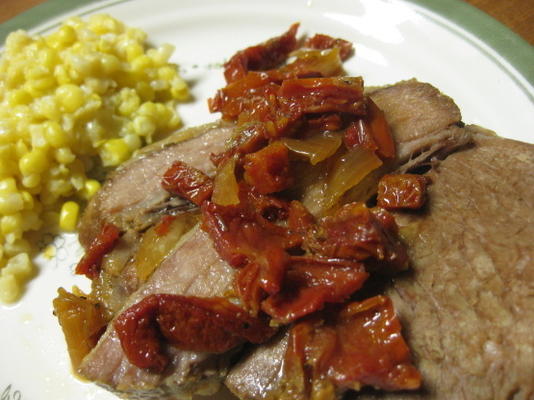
87 95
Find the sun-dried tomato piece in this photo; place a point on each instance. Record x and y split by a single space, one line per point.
358 134
323 42
310 283
102 244
398 191
267 170
357 345
187 182
261 57
317 95
139 336
372 132
357 232
189 323
299 220
323 123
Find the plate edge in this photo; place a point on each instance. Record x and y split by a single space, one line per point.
512 47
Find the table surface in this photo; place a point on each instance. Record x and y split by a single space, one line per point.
518 15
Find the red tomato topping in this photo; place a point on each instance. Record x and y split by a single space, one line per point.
211 325
323 42
357 345
261 57
290 266
187 182
356 232
267 170
319 95
310 283
402 191
372 132
90 263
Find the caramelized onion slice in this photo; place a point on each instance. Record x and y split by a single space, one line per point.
82 321
349 170
316 148
225 187
154 247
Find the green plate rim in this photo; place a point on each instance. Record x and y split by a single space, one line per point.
513 48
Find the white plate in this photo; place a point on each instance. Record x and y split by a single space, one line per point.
394 40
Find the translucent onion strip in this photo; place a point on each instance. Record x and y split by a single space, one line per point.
316 148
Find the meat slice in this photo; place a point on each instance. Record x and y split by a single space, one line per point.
418 114
193 269
133 193
467 306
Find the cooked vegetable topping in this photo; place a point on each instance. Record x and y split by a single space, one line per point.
294 264
89 265
187 182
82 321
190 323
402 191
356 345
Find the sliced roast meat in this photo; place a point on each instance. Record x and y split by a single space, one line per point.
195 269
468 304
418 115
132 196
257 374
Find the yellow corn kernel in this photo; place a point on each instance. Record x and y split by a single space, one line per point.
33 162
9 289
141 63
179 89
64 155
8 185
32 181
11 203
18 96
102 23
12 248
70 96
62 38
148 109
167 73
146 93
114 152
28 200
21 148
90 187
129 102
109 63
68 217
132 50
55 134
46 107
11 224
144 126
133 141
20 266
